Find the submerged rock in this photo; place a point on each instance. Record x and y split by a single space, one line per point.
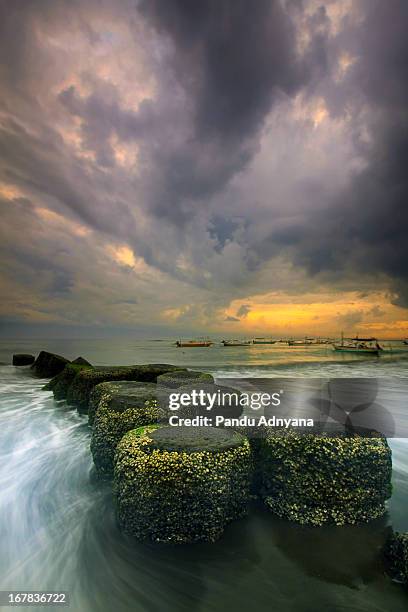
173 380
80 390
22 359
315 479
396 557
122 406
48 365
60 384
181 485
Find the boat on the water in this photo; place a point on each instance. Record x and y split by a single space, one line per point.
263 341
304 342
318 340
193 343
236 342
367 346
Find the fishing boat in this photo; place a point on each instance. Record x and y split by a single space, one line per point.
367 346
236 342
193 343
263 341
318 340
305 342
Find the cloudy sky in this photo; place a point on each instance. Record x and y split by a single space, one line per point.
222 166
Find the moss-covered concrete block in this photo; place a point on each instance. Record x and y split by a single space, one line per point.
173 380
124 406
60 384
181 485
80 390
316 479
48 365
396 557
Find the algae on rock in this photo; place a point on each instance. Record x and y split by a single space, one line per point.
60 384
173 380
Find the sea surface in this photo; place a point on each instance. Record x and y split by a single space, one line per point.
58 528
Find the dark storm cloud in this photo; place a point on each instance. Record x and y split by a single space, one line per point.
227 65
234 56
229 61
222 229
373 223
364 228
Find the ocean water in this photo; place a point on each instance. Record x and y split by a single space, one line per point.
58 528
252 360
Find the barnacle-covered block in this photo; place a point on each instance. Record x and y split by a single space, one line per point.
81 387
102 392
315 478
181 484
173 380
165 382
125 406
396 557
